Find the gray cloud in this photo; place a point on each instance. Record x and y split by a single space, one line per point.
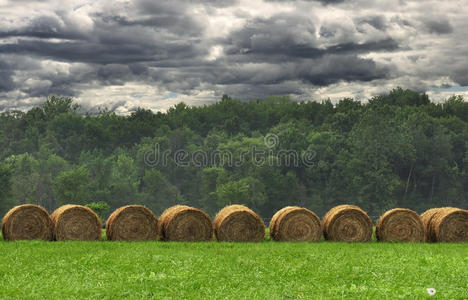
6 81
326 2
44 27
291 36
438 26
378 22
203 49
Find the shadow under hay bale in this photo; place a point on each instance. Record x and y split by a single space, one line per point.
347 223
76 223
446 224
400 225
238 223
132 223
182 223
27 222
295 224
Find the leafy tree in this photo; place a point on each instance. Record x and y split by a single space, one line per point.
248 191
159 193
72 186
399 149
5 188
100 208
55 106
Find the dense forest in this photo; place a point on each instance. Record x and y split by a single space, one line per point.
396 150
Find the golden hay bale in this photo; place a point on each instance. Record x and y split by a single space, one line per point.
27 222
185 224
132 223
426 219
76 223
237 223
400 224
294 224
446 224
347 223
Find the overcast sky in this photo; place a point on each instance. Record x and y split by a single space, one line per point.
152 54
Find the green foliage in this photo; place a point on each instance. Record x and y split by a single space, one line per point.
248 191
159 194
72 186
398 149
100 208
55 106
5 188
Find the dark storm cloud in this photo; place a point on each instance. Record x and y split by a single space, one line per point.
249 51
6 73
59 87
172 7
116 50
168 33
272 35
284 35
318 72
438 26
44 28
176 24
58 83
378 22
460 75
321 1
121 49
333 68
290 41
108 50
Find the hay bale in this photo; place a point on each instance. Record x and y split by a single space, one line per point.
446 224
27 222
400 225
295 224
132 223
185 224
426 218
347 223
237 223
76 223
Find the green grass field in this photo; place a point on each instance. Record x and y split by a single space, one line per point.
268 270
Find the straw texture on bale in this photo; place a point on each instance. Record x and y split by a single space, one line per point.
294 224
446 224
27 222
76 223
185 224
400 225
238 223
347 223
132 223
426 219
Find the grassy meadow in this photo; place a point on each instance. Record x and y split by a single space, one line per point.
212 270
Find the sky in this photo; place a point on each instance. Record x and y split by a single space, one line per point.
153 54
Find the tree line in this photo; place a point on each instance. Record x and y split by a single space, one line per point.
396 150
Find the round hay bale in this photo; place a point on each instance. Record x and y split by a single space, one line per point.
295 224
27 222
76 223
347 223
447 224
238 223
182 223
426 218
132 223
400 225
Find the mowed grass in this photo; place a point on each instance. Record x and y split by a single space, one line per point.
212 270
